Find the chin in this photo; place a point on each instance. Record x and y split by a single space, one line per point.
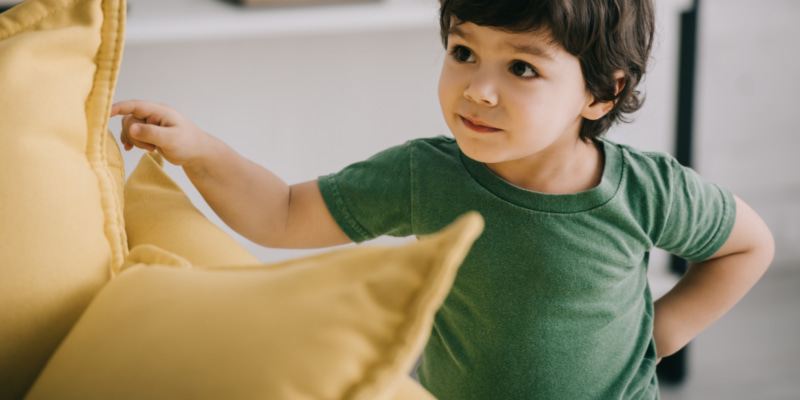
480 152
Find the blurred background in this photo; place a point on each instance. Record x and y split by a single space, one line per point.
306 90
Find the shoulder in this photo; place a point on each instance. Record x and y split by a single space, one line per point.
411 154
647 179
433 151
637 158
443 144
437 144
647 185
646 167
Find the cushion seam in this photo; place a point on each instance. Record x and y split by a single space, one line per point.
118 44
96 145
419 303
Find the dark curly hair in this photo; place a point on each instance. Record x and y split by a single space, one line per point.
605 35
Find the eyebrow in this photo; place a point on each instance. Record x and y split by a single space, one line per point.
527 48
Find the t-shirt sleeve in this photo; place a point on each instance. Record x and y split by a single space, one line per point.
372 198
700 216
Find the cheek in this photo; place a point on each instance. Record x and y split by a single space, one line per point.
442 90
530 109
545 109
451 86
445 89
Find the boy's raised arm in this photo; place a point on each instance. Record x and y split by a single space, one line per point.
246 196
712 287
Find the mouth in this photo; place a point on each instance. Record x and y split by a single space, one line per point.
477 125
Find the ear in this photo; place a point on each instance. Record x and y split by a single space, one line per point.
595 109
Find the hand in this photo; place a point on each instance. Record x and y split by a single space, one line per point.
159 127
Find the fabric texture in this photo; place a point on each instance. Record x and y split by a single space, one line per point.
165 228
553 301
158 212
62 232
344 324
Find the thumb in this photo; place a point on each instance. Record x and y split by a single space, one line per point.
148 133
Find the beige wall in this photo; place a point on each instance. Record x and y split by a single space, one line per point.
748 137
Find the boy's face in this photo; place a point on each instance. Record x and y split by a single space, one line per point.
509 96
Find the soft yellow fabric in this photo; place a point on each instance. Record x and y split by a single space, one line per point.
158 212
61 228
150 254
347 324
409 389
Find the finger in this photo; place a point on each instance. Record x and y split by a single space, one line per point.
129 120
118 107
151 135
149 111
141 145
133 142
125 141
130 143
114 111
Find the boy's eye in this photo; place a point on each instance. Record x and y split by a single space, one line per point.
523 69
463 54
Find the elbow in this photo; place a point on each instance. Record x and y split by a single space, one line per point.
261 233
764 247
769 250
754 237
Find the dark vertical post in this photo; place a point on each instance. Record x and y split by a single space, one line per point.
673 369
684 135
687 71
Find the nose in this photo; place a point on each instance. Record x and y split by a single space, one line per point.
482 90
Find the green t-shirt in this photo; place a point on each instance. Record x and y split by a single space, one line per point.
552 301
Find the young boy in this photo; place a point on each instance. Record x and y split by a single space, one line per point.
552 301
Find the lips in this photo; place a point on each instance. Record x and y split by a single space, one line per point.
477 125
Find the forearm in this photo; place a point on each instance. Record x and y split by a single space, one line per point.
251 200
705 293
247 197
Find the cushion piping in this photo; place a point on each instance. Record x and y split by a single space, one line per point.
98 107
427 299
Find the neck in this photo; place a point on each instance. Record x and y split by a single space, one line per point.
570 168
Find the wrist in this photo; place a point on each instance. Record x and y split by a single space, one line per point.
199 161
669 328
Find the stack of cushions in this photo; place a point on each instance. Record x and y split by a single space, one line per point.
346 324
187 312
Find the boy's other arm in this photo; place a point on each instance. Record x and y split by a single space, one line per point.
249 198
712 287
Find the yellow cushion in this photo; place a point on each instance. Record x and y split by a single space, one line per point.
161 217
344 324
158 212
61 233
409 389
